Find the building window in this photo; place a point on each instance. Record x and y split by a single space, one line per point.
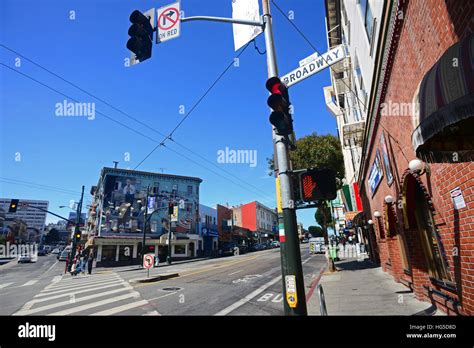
368 18
180 249
125 252
190 190
109 252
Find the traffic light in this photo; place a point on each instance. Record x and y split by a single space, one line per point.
13 206
279 101
317 184
77 236
170 208
141 32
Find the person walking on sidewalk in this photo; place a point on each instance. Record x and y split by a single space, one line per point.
85 262
90 260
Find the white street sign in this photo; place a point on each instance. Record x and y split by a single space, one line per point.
309 59
168 22
249 10
325 60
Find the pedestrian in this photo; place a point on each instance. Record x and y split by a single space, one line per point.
85 262
90 260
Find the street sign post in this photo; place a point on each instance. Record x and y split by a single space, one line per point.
174 216
148 262
245 9
314 66
169 22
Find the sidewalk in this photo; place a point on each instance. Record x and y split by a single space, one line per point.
361 288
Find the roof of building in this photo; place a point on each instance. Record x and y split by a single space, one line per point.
137 172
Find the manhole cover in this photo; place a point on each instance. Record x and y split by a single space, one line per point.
172 288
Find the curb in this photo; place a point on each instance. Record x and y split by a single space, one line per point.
316 281
154 278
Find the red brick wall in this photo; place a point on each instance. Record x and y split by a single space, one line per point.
249 216
429 28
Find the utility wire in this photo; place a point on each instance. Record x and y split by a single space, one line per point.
169 136
135 119
37 186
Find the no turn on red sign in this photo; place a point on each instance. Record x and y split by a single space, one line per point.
169 22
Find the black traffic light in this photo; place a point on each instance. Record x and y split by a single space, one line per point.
318 184
170 208
279 101
141 32
13 206
77 236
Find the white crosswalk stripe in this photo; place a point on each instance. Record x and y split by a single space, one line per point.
30 282
5 285
99 294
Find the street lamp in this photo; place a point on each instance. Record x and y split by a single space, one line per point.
377 214
388 199
370 222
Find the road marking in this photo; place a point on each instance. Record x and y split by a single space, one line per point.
250 296
156 298
125 307
96 304
30 282
5 285
218 266
235 272
54 264
67 293
62 286
246 278
65 303
247 298
152 313
57 279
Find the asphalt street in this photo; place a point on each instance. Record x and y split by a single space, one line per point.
248 284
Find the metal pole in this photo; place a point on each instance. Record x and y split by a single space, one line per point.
145 223
76 230
168 258
292 268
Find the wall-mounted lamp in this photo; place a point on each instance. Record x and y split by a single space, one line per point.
388 199
377 214
370 222
417 166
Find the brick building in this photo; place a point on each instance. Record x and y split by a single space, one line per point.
416 175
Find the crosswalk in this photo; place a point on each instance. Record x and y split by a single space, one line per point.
98 294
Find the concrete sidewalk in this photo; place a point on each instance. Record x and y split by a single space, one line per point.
361 288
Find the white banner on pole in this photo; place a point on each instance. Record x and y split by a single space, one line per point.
248 10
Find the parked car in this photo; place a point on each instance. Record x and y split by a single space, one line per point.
42 252
275 244
64 254
25 258
305 240
48 248
56 251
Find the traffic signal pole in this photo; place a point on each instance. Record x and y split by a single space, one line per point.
292 269
76 231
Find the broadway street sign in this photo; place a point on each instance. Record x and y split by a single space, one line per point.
325 60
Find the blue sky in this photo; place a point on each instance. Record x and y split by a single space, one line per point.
67 152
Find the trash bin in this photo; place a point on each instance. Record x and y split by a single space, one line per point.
333 252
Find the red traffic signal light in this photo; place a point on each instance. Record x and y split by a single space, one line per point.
279 101
318 185
13 206
141 33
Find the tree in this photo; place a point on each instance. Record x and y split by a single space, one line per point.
324 218
321 151
52 236
316 231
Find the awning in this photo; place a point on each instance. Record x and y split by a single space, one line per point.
446 107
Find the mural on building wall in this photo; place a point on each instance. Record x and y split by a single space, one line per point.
124 204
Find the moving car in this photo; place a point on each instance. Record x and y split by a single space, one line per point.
25 258
42 252
56 251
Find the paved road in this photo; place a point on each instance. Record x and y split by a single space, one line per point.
247 284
